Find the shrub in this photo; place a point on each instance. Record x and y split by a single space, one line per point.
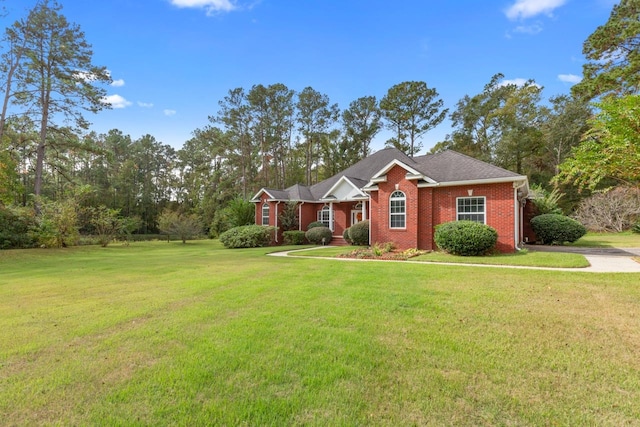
467 238
545 202
288 219
316 235
359 233
636 227
345 235
16 225
293 237
613 210
247 236
185 226
315 224
556 229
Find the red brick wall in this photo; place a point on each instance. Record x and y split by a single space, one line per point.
428 207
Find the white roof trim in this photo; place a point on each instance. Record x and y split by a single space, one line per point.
474 181
412 174
328 195
262 191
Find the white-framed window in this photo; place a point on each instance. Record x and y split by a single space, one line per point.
324 216
397 210
265 213
472 209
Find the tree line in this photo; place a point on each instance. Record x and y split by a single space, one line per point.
272 136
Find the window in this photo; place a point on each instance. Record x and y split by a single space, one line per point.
472 209
265 213
324 216
397 210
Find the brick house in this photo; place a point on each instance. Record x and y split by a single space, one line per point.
404 198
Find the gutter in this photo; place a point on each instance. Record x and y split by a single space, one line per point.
518 213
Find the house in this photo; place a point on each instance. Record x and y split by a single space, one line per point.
405 198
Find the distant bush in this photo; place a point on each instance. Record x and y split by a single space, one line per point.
315 224
636 227
247 236
613 210
553 229
294 237
467 238
316 234
359 233
16 225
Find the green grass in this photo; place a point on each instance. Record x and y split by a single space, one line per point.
522 258
626 239
172 334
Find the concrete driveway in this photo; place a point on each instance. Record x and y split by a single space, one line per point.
602 260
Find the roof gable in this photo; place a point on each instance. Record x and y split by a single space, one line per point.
345 189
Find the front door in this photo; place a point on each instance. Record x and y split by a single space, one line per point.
356 216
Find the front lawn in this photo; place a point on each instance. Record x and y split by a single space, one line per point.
522 258
626 239
169 334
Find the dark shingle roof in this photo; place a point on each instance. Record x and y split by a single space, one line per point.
447 166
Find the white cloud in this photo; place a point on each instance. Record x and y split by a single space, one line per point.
169 112
523 9
516 82
116 101
211 6
528 29
569 78
145 104
117 83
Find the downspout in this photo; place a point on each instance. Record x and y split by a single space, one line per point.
331 226
276 232
369 217
517 213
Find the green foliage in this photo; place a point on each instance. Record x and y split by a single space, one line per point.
247 236
319 235
58 223
359 233
288 219
185 226
345 235
610 149
636 227
237 213
613 55
315 224
466 238
411 109
546 202
554 229
294 237
16 226
107 224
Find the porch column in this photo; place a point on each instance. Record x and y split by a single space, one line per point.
331 227
364 210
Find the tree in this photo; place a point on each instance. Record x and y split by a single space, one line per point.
185 226
58 77
315 117
610 149
361 122
107 224
411 109
613 52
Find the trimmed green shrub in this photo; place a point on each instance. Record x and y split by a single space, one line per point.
247 236
345 235
554 229
293 237
315 224
316 234
359 233
466 238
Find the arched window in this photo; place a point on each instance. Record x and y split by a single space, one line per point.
397 210
324 216
265 213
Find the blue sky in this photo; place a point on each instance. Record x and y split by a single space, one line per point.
173 60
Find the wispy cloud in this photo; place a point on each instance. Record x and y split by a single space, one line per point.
523 9
117 83
116 101
516 82
169 112
528 29
145 104
211 6
569 78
